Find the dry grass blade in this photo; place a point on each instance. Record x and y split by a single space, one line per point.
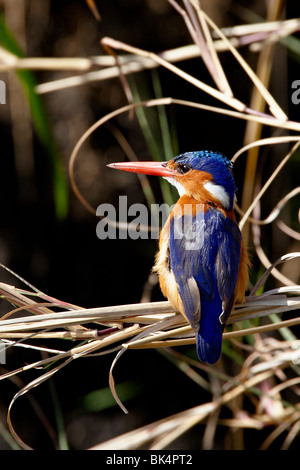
291 435
160 430
229 100
165 322
24 390
158 314
222 79
275 212
273 105
201 36
262 142
94 9
130 64
254 130
264 277
161 433
267 184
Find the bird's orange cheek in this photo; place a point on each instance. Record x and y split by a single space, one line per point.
193 183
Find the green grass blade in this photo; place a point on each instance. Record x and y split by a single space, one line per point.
102 399
154 125
40 122
61 430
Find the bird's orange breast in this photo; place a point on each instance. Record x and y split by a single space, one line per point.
162 267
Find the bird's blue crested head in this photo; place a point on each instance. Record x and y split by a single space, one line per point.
217 167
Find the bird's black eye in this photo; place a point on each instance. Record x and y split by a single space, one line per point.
183 168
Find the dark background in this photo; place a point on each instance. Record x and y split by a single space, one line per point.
63 257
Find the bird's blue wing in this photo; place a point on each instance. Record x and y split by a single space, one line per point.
205 257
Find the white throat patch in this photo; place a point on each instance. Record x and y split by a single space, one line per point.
177 185
219 193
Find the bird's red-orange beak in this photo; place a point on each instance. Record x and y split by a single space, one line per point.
147 168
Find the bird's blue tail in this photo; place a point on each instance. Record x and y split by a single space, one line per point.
209 336
209 351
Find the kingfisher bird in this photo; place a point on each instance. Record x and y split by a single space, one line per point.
202 263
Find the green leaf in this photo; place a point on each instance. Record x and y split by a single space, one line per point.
102 399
